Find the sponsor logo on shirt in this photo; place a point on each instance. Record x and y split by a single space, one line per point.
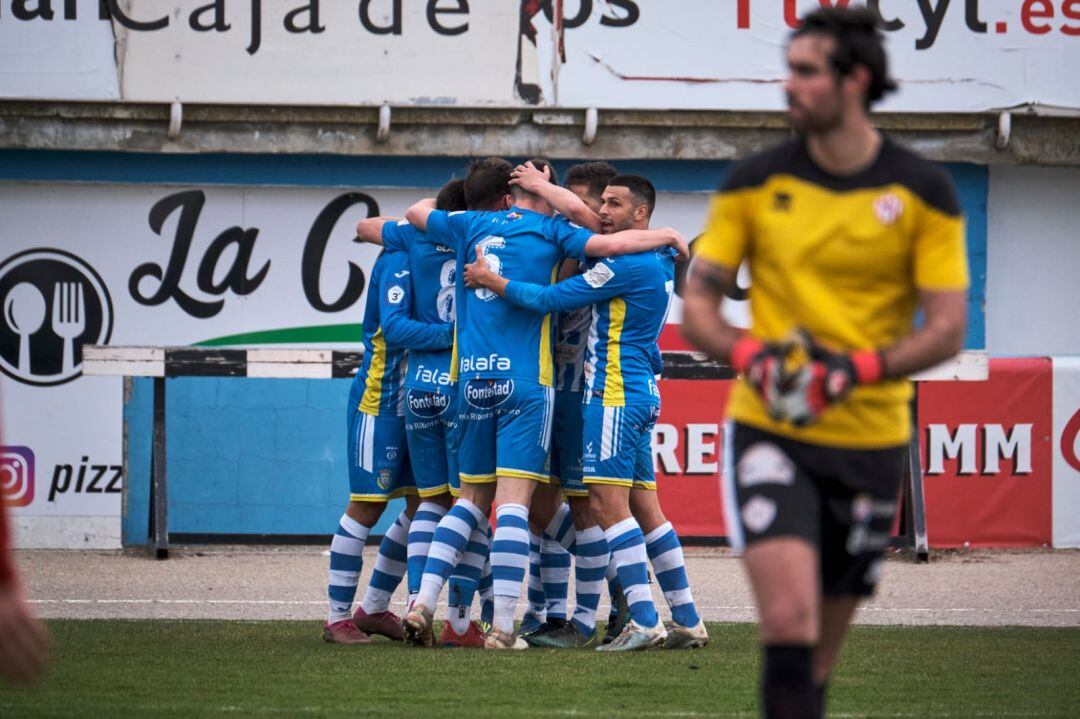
488 393
431 376
491 363
427 404
598 276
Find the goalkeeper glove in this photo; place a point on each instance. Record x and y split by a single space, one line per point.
762 365
825 380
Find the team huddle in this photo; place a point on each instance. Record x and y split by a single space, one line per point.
510 361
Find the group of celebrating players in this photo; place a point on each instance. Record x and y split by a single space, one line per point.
511 359
846 235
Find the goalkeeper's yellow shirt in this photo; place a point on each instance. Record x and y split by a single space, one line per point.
843 258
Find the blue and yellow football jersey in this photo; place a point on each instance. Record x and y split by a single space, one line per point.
388 330
630 297
571 342
497 339
433 270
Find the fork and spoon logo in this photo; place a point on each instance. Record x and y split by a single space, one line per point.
53 304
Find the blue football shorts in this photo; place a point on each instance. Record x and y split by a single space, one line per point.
505 430
430 429
566 443
379 468
618 445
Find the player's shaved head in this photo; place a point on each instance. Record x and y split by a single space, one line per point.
488 183
641 190
451 197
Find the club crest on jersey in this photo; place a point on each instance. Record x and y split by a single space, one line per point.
888 208
514 215
488 393
427 405
384 479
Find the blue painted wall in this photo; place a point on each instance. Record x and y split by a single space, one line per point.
268 456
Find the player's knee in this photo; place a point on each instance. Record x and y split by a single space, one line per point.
366 513
580 512
788 620
645 506
608 507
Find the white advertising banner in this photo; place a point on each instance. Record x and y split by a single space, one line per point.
950 56
161 266
1066 452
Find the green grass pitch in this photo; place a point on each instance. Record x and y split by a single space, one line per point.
146 669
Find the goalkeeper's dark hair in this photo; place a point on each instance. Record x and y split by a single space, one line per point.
859 41
487 183
641 190
594 175
451 197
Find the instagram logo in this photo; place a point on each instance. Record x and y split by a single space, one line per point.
16 476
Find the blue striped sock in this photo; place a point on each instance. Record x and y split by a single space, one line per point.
536 612
555 576
666 555
590 566
427 517
448 543
561 527
465 580
509 561
486 589
389 567
346 560
627 545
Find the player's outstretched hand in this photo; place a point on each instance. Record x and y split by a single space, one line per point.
24 645
530 179
677 242
477 274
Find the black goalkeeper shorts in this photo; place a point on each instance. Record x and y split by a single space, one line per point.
842 501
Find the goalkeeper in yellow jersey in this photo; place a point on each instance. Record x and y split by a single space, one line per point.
846 235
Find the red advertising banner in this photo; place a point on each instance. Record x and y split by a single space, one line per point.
688 448
987 456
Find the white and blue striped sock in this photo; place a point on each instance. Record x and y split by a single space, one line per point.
627 545
669 565
509 561
427 517
346 560
590 567
536 612
448 543
561 527
555 577
466 578
389 567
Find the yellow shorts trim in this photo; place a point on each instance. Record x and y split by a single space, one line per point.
522 474
477 478
614 481
434 491
647 486
383 498
455 493
576 493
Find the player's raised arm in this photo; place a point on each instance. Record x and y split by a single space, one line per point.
565 202
629 242
418 214
370 229
395 309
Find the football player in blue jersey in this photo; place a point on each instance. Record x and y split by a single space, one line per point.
431 416
505 372
455 541
630 297
379 467
573 524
